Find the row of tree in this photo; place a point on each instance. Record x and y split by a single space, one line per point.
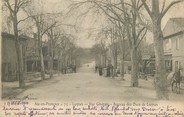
130 21
61 45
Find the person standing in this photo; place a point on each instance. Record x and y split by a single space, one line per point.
178 74
108 70
75 68
100 70
96 68
112 71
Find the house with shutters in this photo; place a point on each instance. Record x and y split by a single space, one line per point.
174 43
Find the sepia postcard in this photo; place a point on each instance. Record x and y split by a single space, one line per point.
92 58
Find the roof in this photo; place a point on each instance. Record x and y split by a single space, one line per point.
179 21
11 36
174 26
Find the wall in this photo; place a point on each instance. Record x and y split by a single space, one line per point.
9 56
174 25
9 59
178 54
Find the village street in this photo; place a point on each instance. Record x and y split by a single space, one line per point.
92 57
85 86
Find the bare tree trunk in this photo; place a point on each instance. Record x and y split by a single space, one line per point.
20 65
64 63
41 55
122 58
101 59
134 62
51 67
59 62
156 17
52 57
160 77
122 66
42 65
115 65
122 50
20 62
25 64
105 59
134 69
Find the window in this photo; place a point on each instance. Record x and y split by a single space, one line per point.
177 44
168 45
167 63
176 65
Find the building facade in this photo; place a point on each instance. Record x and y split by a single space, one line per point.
9 56
173 44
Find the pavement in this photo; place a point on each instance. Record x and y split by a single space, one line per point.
85 86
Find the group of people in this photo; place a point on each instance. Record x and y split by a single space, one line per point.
70 69
109 70
99 69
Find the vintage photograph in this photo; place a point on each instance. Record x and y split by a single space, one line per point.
93 51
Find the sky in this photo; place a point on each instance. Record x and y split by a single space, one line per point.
82 29
87 28
84 41
175 11
85 25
